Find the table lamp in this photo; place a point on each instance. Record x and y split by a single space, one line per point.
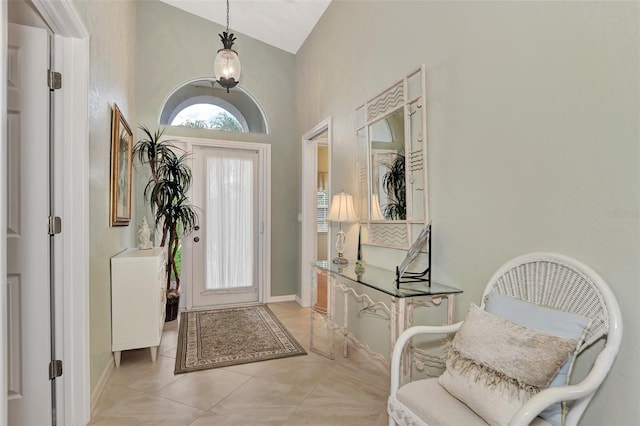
341 210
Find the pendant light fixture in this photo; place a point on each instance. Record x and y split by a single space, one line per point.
226 66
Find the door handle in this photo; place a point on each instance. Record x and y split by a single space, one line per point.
196 239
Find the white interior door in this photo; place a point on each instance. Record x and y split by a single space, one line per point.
225 248
28 292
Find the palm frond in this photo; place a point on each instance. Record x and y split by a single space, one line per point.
166 191
152 148
394 184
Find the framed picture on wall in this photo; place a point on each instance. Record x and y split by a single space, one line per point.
121 160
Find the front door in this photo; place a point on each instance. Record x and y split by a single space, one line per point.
29 344
225 248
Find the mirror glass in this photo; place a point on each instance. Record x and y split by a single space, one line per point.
388 183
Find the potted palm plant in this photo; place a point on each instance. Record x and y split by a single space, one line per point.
166 192
395 186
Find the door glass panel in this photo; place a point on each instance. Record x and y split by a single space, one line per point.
230 220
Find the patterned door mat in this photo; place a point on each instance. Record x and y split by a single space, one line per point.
231 336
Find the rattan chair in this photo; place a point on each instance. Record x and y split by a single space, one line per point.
545 279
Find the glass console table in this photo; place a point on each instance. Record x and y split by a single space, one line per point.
400 312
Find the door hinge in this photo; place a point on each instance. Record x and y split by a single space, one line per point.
55 225
55 369
54 80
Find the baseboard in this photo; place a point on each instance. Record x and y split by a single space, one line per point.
286 298
102 383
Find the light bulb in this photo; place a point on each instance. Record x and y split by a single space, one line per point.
227 65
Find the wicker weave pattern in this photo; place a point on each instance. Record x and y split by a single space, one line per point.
401 416
552 283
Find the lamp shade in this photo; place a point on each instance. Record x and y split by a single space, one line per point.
376 213
341 209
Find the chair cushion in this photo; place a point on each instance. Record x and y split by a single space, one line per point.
552 321
435 406
494 365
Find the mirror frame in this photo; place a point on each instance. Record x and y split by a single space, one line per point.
399 96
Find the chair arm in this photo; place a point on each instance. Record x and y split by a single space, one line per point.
402 341
533 407
584 389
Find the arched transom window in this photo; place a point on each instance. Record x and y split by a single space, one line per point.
201 104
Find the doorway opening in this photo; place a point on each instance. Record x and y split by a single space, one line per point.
322 226
316 193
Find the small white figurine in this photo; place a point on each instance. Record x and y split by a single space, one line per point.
143 233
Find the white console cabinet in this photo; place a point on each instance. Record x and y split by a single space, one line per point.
138 300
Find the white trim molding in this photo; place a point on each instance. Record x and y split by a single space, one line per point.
62 18
74 177
286 298
101 385
309 200
3 211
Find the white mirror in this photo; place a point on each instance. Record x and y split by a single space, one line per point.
393 196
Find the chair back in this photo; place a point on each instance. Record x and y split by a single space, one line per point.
563 283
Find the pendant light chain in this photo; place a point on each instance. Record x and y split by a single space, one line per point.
226 65
227 15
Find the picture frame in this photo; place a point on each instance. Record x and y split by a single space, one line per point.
121 162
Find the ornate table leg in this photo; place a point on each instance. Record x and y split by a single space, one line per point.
311 310
345 325
331 314
450 307
329 317
399 323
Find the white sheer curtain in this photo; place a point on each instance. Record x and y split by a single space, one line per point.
230 211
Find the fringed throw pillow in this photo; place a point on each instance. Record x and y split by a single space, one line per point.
553 321
494 365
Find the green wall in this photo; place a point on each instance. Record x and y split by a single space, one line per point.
135 62
111 77
533 129
174 47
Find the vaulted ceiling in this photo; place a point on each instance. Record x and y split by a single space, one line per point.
281 23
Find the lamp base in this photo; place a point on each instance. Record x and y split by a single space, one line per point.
340 260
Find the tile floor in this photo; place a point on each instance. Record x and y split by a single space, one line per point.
302 390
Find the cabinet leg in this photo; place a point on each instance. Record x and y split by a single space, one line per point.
116 357
154 353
